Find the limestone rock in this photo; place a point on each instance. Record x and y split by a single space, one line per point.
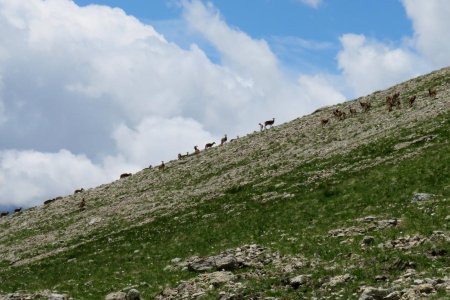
202 264
338 279
417 197
199 286
372 293
133 294
396 295
299 280
425 288
55 296
219 278
226 263
116 296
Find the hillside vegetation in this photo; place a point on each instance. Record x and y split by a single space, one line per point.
357 208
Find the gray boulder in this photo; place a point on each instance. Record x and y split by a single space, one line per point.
202 264
227 263
133 294
372 293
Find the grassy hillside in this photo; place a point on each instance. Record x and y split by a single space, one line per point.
301 210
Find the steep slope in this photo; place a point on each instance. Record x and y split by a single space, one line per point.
286 188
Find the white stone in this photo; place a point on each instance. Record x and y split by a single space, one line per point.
116 296
55 296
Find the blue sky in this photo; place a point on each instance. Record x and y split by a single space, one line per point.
88 92
284 24
381 19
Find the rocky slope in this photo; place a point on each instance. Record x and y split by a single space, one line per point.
50 230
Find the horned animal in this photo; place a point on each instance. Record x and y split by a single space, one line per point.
125 175
365 106
339 114
393 100
209 145
82 204
79 191
181 156
161 166
411 100
196 150
223 140
389 103
18 210
269 123
232 140
432 92
48 201
52 200
4 213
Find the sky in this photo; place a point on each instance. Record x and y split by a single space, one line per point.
90 89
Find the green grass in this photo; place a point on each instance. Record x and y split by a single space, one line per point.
137 257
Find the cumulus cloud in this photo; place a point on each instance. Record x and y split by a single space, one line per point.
265 87
154 136
2 108
27 177
252 58
431 22
323 87
368 65
118 96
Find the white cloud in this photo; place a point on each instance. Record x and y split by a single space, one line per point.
248 57
431 23
369 65
2 107
160 139
254 65
311 3
321 87
28 177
